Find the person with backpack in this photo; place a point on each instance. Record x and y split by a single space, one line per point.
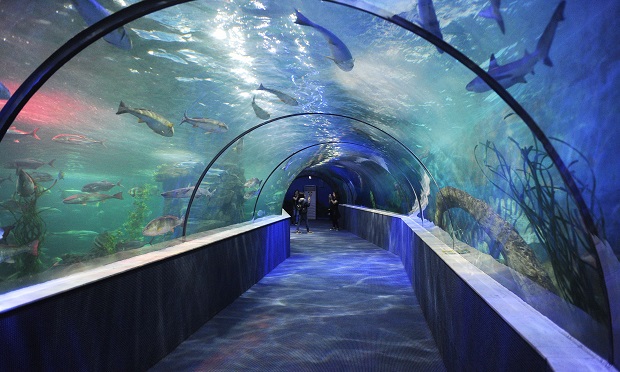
302 207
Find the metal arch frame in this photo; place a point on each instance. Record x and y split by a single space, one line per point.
241 135
305 148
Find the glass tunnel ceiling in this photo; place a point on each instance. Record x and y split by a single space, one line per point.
405 109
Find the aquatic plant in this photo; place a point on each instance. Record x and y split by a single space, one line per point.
536 188
137 217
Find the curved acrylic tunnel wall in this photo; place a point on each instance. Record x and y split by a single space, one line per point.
504 190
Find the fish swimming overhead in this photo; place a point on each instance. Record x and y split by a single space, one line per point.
493 12
514 72
260 113
75 139
252 182
156 122
92 12
282 96
4 92
15 133
186 192
428 19
27 163
161 225
93 197
41 177
206 124
340 53
8 252
100 186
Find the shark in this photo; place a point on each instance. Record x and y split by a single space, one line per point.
493 12
514 72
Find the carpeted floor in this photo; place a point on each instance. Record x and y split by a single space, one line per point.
339 303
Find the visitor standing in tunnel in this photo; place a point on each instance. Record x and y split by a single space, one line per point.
334 212
302 207
295 210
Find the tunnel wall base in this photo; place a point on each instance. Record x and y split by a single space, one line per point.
477 323
131 319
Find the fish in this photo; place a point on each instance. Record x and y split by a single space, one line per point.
282 96
48 209
252 182
27 164
2 179
260 113
4 92
129 244
162 225
41 177
100 186
190 165
61 175
238 148
75 139
206 124
8 252
92 197
25 184
156 122
493 12
136 191
514 72
340 53
92 12
83 234
428 19
4 233
186 192
14 133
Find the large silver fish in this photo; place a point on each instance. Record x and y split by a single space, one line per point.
428 19
206 124
186 192
100 186
27 164
161 225
282 96
4 92
493 12
514 72
91 197
260 113
75 139
93 12
340 53
41 177
7 252
156 122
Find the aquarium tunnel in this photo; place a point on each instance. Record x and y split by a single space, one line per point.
130 128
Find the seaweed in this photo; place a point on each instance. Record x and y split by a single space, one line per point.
137 218
535 186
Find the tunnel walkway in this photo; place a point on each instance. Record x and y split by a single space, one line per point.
338 303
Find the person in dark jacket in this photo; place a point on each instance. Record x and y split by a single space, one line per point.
302 207
334 211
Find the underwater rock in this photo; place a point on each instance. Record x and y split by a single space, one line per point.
519 255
